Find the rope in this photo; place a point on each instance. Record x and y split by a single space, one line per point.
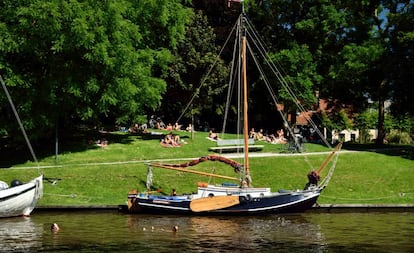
73 195
275 101
277 71
230 89
311 167
328 177
203 80
20 123
62 195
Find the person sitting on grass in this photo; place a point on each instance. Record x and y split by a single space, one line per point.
177 126
253 134
169 127
260 135
171 140
213 135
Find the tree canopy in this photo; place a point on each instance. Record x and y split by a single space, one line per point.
94 62
85 61
352 52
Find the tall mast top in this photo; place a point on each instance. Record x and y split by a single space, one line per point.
238 1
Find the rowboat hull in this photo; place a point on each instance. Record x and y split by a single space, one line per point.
22 199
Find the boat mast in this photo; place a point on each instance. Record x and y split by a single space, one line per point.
245 105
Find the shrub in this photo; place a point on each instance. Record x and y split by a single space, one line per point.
399 137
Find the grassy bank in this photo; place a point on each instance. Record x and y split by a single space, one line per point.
91 175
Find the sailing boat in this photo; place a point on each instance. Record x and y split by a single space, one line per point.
231 199
19 199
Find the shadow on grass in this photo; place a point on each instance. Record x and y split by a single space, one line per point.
403 151
78 141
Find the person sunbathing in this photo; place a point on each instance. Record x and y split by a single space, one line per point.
171 140
253 134
213 135
169 127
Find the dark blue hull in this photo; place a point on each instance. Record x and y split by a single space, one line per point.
280 203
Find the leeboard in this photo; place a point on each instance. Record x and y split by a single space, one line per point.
213 203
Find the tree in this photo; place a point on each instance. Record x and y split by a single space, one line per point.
351 52
378 62
84 61
365 121
401 38
305 38
193 58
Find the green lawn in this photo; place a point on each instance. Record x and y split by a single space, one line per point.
92 175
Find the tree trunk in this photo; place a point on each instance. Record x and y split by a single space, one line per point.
380 128
293 118
381 115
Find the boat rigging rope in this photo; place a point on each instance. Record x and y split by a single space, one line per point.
328 177
315 174
271 91
203 80
277 71
20 124
275 101
230 89
308 162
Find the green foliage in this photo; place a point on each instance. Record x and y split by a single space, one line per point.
302 74
337 121
87 60
193 59
366 120
398 129
95 62
399 137
404 123
401 37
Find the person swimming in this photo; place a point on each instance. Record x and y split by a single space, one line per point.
54 228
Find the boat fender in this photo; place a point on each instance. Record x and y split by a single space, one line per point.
16 182
246 198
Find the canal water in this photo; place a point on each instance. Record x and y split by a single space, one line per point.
110 231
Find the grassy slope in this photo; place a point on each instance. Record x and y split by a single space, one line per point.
103 176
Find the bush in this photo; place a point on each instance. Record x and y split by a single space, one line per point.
399 137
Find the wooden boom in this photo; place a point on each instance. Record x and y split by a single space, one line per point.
192 171
337 148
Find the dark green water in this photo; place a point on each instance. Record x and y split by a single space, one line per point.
115 232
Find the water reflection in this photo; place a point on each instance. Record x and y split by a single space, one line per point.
230 234
265 233
114 232
19 234
367 232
